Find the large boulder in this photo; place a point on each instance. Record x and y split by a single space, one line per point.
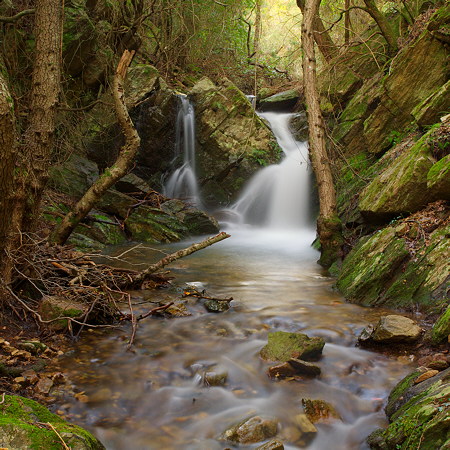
411 181
232 140
26 424
383 107
405 265
281 102
418 412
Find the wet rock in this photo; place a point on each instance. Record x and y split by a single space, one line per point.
299 126
44 385
284 370
216 306
271 445
233 142
425 376
252 430
283 101
438 361
304 368
393 328
307 429
282 346
319 411
419 414
215 378
34 347
132 184
441 329
22 426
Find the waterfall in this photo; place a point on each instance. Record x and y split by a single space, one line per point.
277 196
182 183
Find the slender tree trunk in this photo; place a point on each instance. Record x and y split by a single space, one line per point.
383 23
347 22
39 135
326 45
328 224
257 35
8 157
121 167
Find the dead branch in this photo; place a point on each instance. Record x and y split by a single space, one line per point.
155 310
16 17
197 294
179 254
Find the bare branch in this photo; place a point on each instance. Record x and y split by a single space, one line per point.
17 17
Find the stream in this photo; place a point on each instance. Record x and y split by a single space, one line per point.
155 397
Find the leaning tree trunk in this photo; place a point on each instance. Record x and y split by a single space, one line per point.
8 157
326 45
328 224
383 23
120 168
38 138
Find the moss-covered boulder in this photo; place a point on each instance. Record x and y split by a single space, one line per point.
233 142
433 107
402 265
24 424
402 186
438 178
441 329
283 346
282 101
419 415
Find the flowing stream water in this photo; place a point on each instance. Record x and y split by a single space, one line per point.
155 397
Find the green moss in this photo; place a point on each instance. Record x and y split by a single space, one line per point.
441 329
283 346
22 425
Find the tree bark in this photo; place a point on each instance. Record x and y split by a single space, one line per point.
326 45
120 168
383 23
8 157
257 35
328 224
38 138
347 22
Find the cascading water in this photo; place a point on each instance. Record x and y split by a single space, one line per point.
158 397
182 183
277 197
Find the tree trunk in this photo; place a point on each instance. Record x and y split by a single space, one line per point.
8 156
326 45
328 224
122 165
383 23
347 22
257 35
39 135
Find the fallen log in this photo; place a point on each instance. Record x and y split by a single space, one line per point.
140 277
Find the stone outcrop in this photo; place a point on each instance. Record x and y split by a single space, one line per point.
402 265
22 425
281 102
233 142
418 412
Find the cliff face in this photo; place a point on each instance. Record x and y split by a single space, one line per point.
392 132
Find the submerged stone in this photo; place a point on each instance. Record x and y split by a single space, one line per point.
282 346
319 411
216 306
252 430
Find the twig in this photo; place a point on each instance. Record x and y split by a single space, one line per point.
155 310
133 323
57 434
3 398
199 295
18 16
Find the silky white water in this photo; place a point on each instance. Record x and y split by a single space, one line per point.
182 183
154 397
278 196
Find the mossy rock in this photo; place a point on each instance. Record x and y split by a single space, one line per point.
441 329
438 178
282 101
282 346
433 107
402 186
419 416
26 424
54 308
380 271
